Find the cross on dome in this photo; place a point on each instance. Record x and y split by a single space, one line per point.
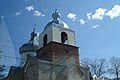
56 15
56 20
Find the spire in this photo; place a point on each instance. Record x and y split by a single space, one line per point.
2 20
6 44
56 15
33 34
2 17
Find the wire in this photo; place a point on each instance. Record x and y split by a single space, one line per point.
12 42
13 57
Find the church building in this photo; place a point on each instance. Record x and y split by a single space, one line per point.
50 55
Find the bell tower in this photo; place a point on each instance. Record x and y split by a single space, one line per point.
57 31
57 40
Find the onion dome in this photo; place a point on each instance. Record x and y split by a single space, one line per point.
56 20
30 45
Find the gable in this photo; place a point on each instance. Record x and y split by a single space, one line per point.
75 74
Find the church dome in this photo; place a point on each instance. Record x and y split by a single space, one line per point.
56 20
29 46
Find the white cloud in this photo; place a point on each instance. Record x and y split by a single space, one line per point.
96 26
72 16
42 15
29 8
99 14
82 22
89 15
37 13
18 13
114 12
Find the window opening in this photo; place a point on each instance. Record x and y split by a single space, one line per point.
64 38
45 40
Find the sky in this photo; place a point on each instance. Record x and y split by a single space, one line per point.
96 23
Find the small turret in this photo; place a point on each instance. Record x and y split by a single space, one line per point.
30 45
29 48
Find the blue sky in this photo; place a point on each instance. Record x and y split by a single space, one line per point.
96 23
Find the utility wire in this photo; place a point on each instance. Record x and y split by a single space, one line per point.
13 57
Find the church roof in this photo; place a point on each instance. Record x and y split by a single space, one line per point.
56 20
29 46
14 70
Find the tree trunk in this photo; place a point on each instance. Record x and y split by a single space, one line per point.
117 77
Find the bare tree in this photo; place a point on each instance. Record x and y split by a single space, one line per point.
97 66
115 66
109 72
2 68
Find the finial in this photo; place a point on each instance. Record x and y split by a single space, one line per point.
34 30
34 27
56 11
56 15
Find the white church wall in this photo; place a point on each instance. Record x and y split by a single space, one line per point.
48 31
57 30
24 57
54 34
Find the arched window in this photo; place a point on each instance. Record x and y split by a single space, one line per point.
45 40
64 37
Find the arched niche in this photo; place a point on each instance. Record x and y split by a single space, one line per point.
64 38
45 40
